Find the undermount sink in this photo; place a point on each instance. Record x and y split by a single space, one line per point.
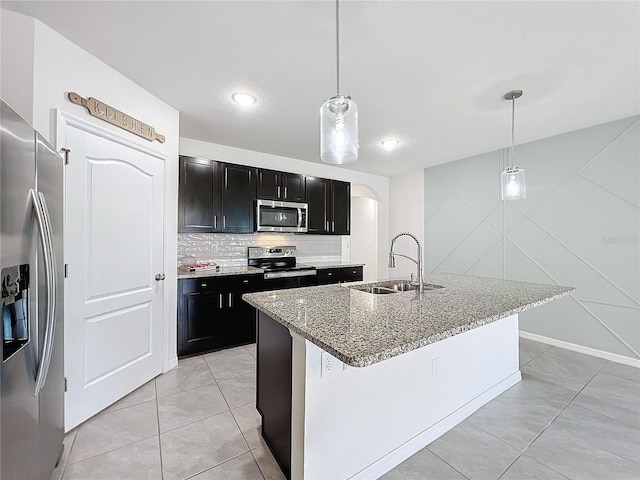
399 286
375 290
394 287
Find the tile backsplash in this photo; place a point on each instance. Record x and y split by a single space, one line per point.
231 249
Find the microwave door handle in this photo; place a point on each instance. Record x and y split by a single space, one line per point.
46 238
299 218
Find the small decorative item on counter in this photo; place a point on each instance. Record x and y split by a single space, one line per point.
191 264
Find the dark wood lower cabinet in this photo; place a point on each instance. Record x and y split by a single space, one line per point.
273 388
212 314
328 276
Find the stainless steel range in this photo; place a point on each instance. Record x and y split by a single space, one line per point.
280 267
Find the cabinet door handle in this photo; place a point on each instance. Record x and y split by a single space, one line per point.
278 194
329 274
220 299
327 226
285 192
333 226
247 281
224 222
203 284
215 222
230 300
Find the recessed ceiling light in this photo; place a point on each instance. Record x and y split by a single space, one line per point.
390 143
243 99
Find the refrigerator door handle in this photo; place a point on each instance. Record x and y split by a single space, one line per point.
46 238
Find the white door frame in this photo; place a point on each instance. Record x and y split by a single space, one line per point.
64 120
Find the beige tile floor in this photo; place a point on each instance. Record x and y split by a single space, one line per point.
572 416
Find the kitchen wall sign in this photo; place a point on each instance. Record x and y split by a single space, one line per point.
116 117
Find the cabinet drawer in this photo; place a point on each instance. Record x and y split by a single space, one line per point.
204 284
244 283
326 276
351 274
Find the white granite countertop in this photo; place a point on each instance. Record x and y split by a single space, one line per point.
246 270
221 272
324 265
361 328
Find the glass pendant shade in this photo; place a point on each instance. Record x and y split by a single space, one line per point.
513 183
339 130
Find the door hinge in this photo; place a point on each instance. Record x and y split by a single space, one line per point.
66 270
65 384
67 153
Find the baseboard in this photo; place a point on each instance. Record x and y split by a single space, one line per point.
172 363
614 357
417 443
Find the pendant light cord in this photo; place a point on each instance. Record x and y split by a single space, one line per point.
337 47
513 121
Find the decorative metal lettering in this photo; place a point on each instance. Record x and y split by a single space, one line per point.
116 117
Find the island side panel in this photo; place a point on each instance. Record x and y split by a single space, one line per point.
361 422
273 388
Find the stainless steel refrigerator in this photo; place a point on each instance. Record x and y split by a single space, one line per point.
32 380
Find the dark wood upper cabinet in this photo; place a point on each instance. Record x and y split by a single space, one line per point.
340 208
199 195
318 201
215 196
329 206
238 198
268 184
280 186
293 187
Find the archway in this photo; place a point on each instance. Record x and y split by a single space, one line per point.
364 230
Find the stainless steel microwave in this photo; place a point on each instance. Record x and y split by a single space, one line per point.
272 216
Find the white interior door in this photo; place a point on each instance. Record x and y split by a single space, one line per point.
114 227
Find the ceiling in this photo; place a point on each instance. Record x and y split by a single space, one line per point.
430 73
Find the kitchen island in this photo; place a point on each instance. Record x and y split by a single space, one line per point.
351 383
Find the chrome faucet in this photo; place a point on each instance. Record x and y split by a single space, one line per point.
419 280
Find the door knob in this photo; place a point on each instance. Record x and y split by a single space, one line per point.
160 276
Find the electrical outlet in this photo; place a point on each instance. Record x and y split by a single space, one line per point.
330 365
435 367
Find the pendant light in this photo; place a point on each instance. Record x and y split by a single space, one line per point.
338 119
512 177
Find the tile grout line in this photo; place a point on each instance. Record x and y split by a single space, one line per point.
210 416
553 420
524 450
440 458
230 409
258 463
216 465
113 449
155 390
66 463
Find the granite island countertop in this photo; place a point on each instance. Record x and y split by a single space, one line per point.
361 328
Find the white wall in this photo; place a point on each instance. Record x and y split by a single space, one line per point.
378 184
406 194
16 57
579 226
58 67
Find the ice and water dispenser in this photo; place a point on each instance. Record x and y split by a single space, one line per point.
15 314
